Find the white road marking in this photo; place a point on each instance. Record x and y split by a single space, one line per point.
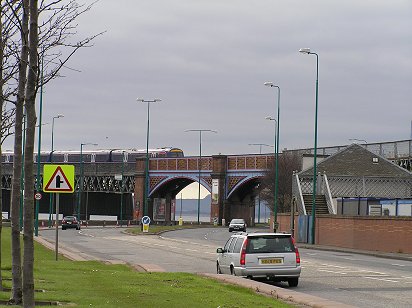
195 250
333 272
387 280
398 264
330 265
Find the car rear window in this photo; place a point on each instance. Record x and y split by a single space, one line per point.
269 244
237 221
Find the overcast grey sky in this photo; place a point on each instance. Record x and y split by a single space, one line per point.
208 59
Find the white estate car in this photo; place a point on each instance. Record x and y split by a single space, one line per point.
272 256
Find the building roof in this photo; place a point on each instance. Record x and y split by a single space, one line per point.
355 160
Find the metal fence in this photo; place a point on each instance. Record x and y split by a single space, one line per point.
399 152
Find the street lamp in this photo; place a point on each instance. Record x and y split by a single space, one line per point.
52 136
261 145
121 191
260 152
275 207
307 51
146 189
51 161
81 178
200 164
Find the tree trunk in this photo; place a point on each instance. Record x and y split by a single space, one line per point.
28 211
16 296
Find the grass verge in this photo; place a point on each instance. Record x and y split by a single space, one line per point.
94 284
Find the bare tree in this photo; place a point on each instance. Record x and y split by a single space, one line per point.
288 162
52 37
28 209
23 25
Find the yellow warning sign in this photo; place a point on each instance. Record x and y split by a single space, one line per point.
58 178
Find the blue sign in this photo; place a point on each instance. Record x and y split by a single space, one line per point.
146 220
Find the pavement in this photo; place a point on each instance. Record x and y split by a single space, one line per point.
296 298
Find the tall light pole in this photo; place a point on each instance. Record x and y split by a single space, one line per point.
260 152
121 191
307 51
51 161
79 198
38 184
146 182
275 207
200 165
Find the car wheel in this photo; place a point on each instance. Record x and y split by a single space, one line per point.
63 228
218 270
232 271
230 230
293 282
78 228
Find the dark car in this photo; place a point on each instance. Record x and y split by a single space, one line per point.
70 222
237 224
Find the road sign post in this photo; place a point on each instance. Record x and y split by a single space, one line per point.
58 179
146 223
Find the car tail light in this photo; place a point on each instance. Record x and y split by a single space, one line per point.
297 255
243 253
296 251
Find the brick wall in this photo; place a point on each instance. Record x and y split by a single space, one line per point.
386 234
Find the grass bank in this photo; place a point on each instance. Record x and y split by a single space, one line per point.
94 284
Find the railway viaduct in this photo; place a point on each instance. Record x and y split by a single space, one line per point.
117 189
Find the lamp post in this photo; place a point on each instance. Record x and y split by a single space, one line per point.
260 152
51 161
79 198
146 182
277 137
121 191
38 185
307 51
200 165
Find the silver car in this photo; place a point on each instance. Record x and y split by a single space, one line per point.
273 256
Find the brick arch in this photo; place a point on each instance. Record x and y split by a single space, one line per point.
206 181
236 182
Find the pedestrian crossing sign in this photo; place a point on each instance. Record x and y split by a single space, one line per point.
58 178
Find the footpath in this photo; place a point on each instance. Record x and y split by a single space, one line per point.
296 298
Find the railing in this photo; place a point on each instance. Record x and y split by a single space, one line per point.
328 195
181 163
297 192
250 162
349 186
393 150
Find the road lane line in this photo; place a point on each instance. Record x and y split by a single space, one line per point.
334 272
381 279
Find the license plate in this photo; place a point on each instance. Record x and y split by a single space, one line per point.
271 261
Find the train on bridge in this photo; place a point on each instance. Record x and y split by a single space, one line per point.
98 156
